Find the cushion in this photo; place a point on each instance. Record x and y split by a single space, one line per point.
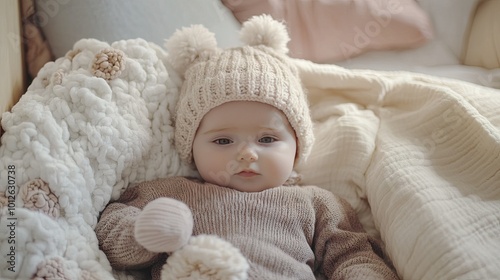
483 46
331 30
66 22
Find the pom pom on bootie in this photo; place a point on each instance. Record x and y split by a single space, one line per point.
206 257
164 225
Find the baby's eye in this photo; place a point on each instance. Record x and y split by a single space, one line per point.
267 139
222 141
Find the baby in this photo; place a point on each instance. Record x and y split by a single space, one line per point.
243 121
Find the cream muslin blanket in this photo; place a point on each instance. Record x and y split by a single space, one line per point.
419 159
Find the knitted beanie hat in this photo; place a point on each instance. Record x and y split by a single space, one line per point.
259 71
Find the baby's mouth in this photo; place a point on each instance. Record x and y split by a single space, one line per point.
247 173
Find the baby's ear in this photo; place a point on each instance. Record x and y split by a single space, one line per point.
264 30
189 44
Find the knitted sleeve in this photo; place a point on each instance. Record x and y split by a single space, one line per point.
343 250
115 232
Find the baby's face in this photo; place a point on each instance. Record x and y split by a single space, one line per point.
244 145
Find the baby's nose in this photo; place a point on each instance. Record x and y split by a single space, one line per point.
248 153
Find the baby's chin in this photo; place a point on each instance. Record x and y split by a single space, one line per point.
252 187
249 189
244 184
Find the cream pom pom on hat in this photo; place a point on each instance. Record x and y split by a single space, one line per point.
259 71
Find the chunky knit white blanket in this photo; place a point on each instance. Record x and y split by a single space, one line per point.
90 124
418 157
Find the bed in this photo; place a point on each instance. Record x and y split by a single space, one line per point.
408 131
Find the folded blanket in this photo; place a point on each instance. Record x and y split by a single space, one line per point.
423 153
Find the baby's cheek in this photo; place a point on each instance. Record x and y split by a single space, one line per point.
218 170
283 164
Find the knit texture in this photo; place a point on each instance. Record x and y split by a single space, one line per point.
164 225
320 235
206 257
258 73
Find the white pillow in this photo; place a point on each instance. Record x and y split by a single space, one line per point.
65 22
451 19
433 53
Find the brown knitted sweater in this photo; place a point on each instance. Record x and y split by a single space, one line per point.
284 232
